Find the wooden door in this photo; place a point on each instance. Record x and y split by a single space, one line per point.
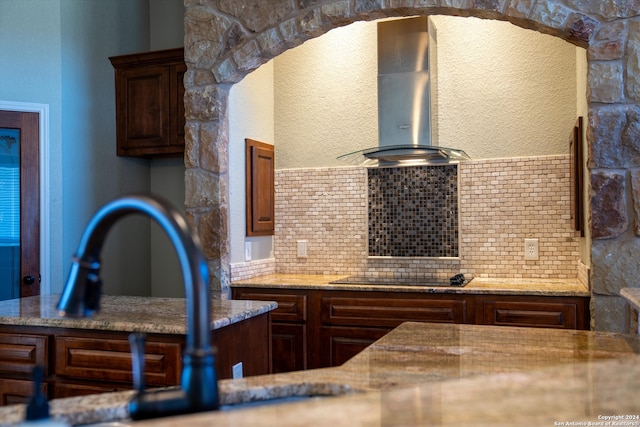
19 204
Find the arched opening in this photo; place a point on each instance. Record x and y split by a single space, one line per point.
500 92
221 51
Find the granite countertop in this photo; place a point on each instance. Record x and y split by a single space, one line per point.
428 374
127 313
632 295
546 287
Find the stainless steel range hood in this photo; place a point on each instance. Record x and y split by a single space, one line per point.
404 99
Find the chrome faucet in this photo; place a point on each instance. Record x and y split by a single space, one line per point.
198 389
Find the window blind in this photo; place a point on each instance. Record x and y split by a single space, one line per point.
10 205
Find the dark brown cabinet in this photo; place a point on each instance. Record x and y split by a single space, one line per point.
150 103
80 362
341 343
13 392
289 330
548 312
315 328
260 181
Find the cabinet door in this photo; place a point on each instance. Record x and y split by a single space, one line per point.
260 178
289 347
341 343
176 106
564 313
142 114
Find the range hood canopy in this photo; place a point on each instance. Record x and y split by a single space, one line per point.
404 100
404 155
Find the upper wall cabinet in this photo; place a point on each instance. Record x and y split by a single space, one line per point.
149 103
260 188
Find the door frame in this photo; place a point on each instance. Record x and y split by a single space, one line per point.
43 146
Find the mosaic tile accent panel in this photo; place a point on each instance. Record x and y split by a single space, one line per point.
413 211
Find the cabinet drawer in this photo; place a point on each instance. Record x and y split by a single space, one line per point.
110 360
537 314
291 307
20 353
13 392
372 311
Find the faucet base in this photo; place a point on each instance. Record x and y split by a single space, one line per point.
198 392
165 403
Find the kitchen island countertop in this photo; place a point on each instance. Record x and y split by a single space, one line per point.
127 313
429 374
478 285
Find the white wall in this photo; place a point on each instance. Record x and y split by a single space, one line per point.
326 100
251 112
502 91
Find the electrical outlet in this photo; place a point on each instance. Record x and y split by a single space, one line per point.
531 249
236 371
302 248
247 251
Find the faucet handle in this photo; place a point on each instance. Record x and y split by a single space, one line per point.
136 341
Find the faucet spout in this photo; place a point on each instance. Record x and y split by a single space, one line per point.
81 297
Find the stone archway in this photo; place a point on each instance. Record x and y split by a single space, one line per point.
226 39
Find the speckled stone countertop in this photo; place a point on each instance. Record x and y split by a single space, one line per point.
127 314
428 374
633 296
548 287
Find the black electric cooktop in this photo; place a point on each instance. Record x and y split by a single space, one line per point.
457 281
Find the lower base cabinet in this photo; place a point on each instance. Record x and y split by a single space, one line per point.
321 328
80 362
341 343
289 342
13 392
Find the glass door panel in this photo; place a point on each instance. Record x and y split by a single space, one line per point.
9 213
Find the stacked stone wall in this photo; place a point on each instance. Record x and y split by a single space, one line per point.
226 39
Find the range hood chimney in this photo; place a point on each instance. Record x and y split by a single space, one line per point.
404 99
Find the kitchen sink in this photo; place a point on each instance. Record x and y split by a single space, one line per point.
268 402
107 424
263 396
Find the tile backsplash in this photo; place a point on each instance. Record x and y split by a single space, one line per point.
501 202
413 211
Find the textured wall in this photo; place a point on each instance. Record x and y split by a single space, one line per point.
503 91
250 116
326 100
500 91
